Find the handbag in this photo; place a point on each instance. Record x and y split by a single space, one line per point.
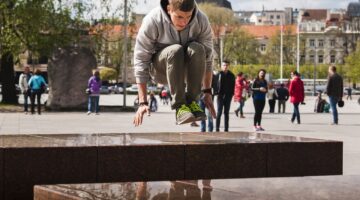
341 103
88 91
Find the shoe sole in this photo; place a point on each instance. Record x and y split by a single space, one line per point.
200 117
187 120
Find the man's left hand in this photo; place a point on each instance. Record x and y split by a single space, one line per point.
207 98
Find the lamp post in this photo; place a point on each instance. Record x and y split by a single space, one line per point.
298 47
125 53
315 56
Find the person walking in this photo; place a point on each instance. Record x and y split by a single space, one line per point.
174 47
349 93
94 85
334 89
153 102
259 88
296 90
38 86
282 97
226 85
240 94
24 87
272 96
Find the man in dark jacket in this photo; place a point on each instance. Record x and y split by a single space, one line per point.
283 96
226 84
334 90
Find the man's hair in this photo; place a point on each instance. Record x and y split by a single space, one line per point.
182 5
226 62
333 68
37 71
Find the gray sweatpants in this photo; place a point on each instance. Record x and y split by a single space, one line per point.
182 68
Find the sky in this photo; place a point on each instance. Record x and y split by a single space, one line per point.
145 6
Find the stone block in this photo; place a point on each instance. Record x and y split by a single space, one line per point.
140 163
305 159
1 172
237 160
26 167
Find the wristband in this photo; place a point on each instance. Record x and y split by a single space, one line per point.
144 103
208 90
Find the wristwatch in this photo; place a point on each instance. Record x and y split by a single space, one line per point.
207 90
145 103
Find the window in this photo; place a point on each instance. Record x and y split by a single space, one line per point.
313 29
332 43
263 47
271 16
312 43
321 59
277 16
312 57
321 43
332 59
302 59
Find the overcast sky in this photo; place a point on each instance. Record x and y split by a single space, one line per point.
143 7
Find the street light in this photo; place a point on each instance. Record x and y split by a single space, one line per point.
125 53
315 56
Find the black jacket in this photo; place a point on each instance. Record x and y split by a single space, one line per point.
334 86
283 93
225 83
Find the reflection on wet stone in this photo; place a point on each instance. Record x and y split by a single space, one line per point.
309 188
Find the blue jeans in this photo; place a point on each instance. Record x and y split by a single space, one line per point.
27 95
209 118
93 100
296 113
333 101
241 106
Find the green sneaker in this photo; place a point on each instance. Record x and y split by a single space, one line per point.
184 115
197 111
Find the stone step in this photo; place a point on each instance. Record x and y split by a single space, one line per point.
28 160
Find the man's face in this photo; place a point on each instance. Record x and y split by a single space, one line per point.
26 70
179 18
225 66
330 71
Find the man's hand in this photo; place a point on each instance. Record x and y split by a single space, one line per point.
207 98
138 119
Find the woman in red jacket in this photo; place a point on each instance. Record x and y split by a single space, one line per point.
296 90
240 93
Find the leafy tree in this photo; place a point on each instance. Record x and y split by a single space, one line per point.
220 18
241 47
38 26
352 67
107 73
289 48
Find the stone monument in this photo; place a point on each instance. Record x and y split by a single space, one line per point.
68 72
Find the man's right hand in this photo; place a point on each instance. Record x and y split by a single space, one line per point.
138 119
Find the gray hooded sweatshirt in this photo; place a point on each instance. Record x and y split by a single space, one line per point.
157 32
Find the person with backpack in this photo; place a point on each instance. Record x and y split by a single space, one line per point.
38 86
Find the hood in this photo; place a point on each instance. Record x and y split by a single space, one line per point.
165 3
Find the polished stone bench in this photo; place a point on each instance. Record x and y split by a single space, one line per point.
28 160
294 188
